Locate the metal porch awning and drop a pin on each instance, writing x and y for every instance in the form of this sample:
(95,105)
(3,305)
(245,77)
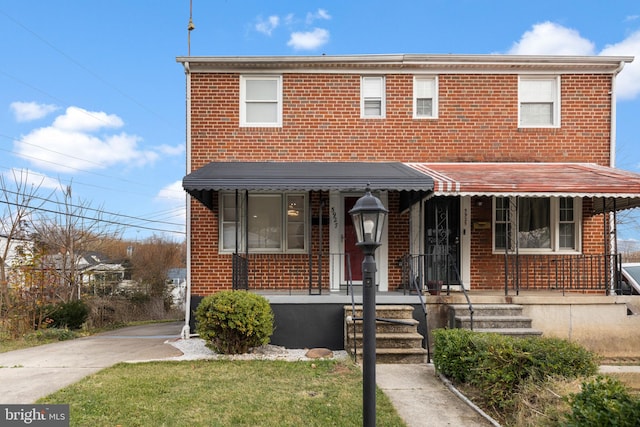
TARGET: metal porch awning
(611,188)
(303,176)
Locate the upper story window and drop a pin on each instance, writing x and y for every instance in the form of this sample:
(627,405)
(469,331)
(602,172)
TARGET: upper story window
(261,101)
(425,96)
(372,97)
(539,101)
(543,224)
(265,222)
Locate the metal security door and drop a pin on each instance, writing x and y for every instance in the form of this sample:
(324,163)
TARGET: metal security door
(442,241)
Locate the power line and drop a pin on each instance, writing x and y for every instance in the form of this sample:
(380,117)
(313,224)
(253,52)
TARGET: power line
(56,202)
(74,215)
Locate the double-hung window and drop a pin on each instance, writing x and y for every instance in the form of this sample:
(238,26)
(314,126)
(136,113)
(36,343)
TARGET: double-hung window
(538,101)
(425,90)
(261,101)
(372,97)
(263,222)
(537,224)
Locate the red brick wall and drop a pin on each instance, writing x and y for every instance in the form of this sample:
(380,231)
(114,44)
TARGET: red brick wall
(321,121)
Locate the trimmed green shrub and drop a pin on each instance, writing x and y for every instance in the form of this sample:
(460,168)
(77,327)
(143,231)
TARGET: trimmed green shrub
(232,322)
(603,402)
(69,315)
(499,365)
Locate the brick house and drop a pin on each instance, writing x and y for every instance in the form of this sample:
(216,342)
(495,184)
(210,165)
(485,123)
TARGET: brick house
(498,171)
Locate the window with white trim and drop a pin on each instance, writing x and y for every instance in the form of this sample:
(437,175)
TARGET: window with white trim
(372,97)
(539,101)
(425,104)
(261,101)
(267,222)
(543,224)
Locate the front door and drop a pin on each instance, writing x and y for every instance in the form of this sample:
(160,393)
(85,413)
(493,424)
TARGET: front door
(442,240)
(353,254)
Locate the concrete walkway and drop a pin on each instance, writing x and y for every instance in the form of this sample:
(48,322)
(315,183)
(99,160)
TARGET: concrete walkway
(423,400)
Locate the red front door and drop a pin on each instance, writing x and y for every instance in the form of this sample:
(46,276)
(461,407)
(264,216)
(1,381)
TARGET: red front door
(353,254)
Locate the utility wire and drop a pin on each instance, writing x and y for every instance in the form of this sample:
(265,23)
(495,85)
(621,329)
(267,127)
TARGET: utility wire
(74,215)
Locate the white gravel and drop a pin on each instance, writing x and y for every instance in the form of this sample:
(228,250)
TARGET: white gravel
(195,349)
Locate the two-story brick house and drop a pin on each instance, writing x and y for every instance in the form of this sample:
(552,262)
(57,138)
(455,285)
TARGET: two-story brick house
(495,170)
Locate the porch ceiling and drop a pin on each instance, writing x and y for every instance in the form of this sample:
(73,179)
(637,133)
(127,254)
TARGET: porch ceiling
(304,176)
(611,188)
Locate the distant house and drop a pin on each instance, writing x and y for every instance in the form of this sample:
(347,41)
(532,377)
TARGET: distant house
(98,273)
(498,172)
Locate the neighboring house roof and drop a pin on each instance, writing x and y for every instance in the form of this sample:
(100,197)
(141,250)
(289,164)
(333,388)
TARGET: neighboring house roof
(536,180)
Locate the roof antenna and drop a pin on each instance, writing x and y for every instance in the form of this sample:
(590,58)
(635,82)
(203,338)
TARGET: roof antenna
(190,27)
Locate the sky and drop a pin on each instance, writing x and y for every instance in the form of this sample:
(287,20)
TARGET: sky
(91,95)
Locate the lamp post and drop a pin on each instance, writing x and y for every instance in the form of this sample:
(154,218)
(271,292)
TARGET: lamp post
(368,215)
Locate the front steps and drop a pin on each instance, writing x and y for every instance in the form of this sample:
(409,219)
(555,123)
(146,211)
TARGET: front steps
(396,342)
(505,319)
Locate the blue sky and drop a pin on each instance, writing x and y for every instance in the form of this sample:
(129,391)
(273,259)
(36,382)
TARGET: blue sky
(91,95)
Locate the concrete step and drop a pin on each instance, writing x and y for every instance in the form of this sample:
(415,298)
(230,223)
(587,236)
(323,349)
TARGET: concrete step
(515,332)
(492,322)
(383,311)
(407,325)
(397,355)
(488,309)
(390,340)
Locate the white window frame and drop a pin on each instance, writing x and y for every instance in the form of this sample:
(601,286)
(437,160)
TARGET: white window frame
(244,101)
(434,96)
(285,223)
(554,223)
(528,96)
(368,93)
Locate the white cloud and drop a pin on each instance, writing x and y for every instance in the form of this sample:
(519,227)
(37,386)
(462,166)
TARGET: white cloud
(170,150)
(69,145)
(31,179)
(319,14)
(81,120)
(309,40)
(173,192)
(266,26)
(628,81)
(549,38)
(28,111)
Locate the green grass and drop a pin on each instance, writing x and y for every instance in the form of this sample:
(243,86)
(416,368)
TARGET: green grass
(223,393)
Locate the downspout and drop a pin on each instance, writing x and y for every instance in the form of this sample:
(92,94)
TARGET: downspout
(613,227)
(186,329)
(612,135)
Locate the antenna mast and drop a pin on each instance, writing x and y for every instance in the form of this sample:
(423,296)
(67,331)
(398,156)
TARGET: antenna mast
(190,27)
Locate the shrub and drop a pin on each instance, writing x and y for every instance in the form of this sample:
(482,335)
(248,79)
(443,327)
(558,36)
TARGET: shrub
(499,365)
(603,402)
(69,315)
(51,334)
(231,322)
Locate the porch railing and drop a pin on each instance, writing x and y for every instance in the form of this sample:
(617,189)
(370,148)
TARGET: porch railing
(432,272)
(568,273)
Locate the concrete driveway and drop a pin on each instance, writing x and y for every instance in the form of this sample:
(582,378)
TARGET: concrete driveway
(29,374)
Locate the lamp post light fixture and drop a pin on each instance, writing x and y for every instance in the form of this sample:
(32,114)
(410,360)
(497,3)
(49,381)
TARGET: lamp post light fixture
(368,215)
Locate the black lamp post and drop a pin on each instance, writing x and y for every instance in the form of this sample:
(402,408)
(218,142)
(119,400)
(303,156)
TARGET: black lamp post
(368,215)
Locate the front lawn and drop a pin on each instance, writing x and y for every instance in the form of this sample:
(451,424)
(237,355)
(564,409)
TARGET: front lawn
(223,393)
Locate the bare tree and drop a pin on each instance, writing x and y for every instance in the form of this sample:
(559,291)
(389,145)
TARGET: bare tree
(17,203)
(152,259)
(65,234)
